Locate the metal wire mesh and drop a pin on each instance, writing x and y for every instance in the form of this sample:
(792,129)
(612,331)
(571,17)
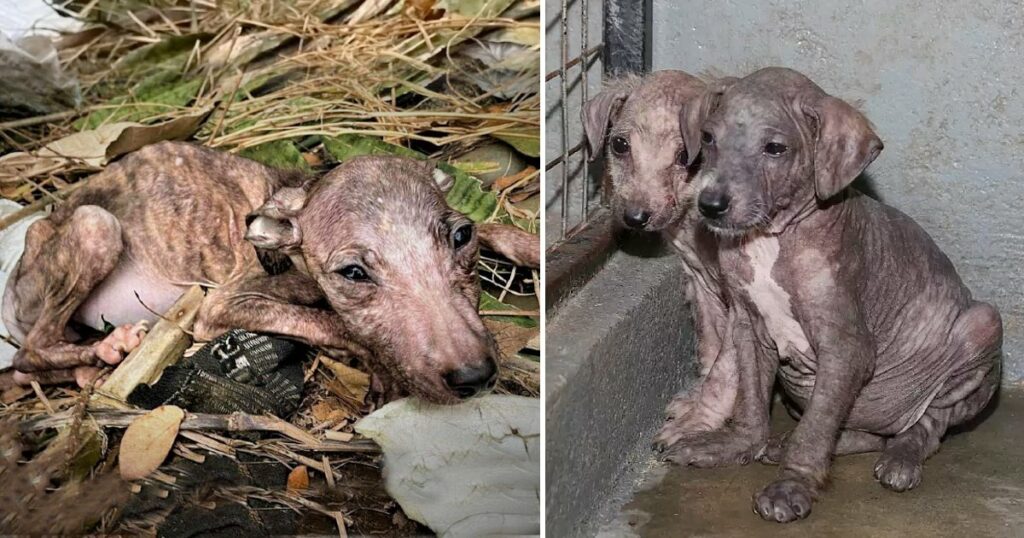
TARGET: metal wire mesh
(570,69)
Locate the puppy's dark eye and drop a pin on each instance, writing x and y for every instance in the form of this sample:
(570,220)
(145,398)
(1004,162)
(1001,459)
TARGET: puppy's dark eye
(682,156)
(620,146)
(707,138)
(354,273)
(462,235)
(775,149)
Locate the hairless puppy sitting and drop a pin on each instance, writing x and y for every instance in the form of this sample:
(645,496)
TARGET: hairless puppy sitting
(871,332)
(651,174)
(367,260)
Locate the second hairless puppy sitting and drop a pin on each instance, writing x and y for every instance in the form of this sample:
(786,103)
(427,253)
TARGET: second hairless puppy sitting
(636,119)
(847,301)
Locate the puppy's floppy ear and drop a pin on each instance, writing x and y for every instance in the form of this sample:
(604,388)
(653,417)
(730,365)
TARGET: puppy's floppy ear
(844,144)
(596,115)
(696,111)
(274,225)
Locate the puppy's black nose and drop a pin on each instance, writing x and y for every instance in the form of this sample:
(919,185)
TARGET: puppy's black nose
(469,381)
(636,217)
(713,204)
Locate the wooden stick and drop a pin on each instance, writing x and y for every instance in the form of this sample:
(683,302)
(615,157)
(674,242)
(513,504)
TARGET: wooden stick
(35,120)
(328,471)
(163,346)
(524,365)
(235,422)
(527,313)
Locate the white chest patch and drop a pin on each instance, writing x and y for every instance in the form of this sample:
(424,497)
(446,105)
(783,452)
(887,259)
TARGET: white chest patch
(771,300)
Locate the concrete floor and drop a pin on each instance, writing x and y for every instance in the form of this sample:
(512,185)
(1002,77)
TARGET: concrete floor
(973,487)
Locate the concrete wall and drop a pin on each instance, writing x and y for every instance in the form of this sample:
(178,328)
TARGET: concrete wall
(553,108)
(616,352)
(943,83)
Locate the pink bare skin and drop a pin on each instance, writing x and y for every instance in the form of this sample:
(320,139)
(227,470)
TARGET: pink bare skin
(366,261)
(634,123)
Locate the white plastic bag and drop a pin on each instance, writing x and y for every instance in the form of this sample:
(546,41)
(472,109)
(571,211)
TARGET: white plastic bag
(467,470)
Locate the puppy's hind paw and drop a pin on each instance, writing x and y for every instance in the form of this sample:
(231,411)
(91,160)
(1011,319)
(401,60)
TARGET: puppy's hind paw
(897,472)
(120,342)
(681,405)
(677,428)
(712,449)
(668,435)
(783,501)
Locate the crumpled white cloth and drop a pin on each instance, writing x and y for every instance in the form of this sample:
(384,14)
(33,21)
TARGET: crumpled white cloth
(12,244)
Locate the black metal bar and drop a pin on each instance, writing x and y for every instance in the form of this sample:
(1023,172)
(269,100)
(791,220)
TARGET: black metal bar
(572,63)
(627,36)
(558,160)
(584,43)
(565,116)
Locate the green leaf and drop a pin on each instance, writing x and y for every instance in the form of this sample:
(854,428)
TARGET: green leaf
(279,154)
(477,167)
(490,302)
(467,195)
(170,52)
(526,142)
(484,9)
(168,89)
(90,451)
(347,146)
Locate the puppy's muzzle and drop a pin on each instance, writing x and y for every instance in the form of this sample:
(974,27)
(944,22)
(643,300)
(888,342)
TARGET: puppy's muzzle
(468,381)
(713,203)
(636,217)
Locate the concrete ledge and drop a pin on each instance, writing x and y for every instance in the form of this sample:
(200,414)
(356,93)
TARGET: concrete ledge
(571,263)
(616,351)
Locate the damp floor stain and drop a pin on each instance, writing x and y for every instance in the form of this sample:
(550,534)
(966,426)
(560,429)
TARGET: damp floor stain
(973,487)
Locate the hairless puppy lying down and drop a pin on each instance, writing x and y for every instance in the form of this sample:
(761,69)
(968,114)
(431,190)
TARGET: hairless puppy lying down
(863,319)
(368,261)
(637,119)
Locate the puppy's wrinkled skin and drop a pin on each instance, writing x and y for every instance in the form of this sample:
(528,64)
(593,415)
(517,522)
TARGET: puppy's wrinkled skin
(865,321)
(634,123)
(367,260)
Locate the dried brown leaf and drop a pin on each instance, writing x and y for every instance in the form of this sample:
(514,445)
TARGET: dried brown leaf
(14,394)
(322,411)
(298,479)
(137,136)
(509,336)
(148,440)
(505,182)
(355,382)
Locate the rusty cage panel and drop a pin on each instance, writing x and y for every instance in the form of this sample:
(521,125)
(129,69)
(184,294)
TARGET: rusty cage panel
(587,40)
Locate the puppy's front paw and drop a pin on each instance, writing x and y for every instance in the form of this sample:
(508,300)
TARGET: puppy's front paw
(897,471)
(713,449)
(784,501)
